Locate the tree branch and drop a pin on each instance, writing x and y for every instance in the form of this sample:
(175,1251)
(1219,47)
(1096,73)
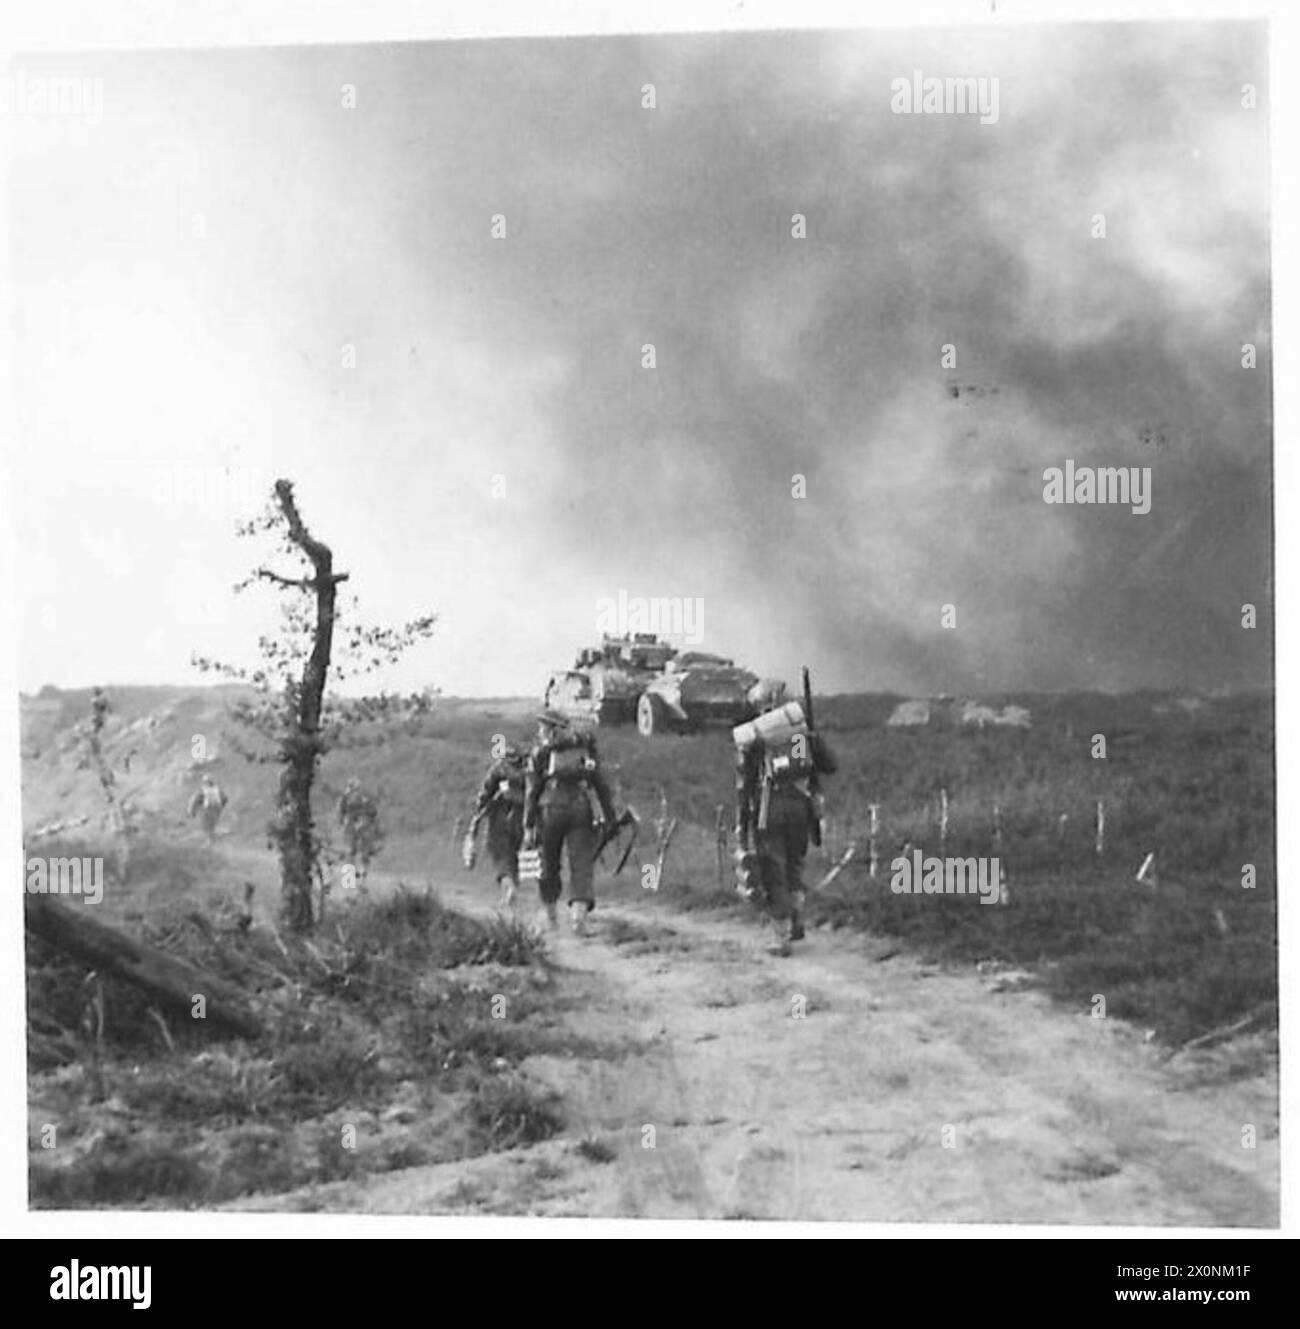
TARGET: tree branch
(298,583)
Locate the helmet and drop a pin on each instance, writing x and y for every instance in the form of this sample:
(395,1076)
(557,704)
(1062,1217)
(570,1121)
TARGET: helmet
(766,695)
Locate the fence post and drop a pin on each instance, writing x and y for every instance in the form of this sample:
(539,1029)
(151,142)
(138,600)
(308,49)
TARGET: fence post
(874,809)
(839,867)
(720,844)
(1101,826)
(943,821)
(997,826)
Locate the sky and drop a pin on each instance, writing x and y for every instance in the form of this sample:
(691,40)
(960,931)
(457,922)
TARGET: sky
(282,263)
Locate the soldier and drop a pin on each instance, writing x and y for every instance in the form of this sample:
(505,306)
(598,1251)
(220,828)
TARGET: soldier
(779,760)
(359,818)
(208,803)
(563,776)
(501,800)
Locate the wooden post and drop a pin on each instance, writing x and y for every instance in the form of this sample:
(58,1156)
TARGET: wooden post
(720,844)
(943,820)
(874,809)
(838,868)
(323,876)
(1147,872)
(1101,826)
(1004,895)
(664,841)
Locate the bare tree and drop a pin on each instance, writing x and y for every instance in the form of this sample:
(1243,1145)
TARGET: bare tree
(120,816)
(292,707)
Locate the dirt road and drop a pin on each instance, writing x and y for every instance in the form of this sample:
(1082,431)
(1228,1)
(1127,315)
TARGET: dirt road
(850,1082)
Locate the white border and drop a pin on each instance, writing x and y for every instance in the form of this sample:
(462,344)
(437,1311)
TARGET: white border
(124,24)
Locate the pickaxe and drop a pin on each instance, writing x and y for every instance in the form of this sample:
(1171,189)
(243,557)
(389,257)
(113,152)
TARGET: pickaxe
(611,832)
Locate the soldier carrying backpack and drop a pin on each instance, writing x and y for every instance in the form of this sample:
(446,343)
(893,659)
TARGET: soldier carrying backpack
(501,802)
(564,779)
(780,759)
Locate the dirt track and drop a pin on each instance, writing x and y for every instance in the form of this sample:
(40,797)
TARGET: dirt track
(849,1082)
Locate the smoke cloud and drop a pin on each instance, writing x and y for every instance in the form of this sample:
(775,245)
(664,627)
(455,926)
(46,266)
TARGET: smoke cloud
(521,358)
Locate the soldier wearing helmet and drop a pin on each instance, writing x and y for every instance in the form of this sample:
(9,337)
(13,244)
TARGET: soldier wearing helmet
(766,695)
(358,816)
(208,803)
(779,762)
(501,800)
(563,781)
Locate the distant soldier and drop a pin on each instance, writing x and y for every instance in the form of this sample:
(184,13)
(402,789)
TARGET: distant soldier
(779,762)
(501,800)
(359,817)
(563,777)
(208,803)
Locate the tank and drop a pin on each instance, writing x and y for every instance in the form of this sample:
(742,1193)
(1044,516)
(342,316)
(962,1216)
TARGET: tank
(694,690)
(606,682)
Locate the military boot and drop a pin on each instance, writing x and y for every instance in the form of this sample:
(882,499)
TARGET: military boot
(780,943)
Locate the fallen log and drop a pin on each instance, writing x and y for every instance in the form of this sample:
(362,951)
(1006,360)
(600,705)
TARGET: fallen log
(54,827)
(173,983)
(1227,1030)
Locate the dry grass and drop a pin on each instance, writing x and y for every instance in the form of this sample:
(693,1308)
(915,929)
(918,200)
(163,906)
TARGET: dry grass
(393,1038)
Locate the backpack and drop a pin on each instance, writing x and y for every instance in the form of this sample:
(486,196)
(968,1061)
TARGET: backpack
(358,806)
(510,774)
(778,749)
(783,742)
(569,762)
(789,761)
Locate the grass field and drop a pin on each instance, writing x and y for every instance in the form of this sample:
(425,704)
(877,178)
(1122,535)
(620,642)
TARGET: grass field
(1188,779)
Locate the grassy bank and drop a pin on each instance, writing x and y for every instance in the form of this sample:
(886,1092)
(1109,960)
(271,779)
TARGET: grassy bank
(394,1037)
(1188,779)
